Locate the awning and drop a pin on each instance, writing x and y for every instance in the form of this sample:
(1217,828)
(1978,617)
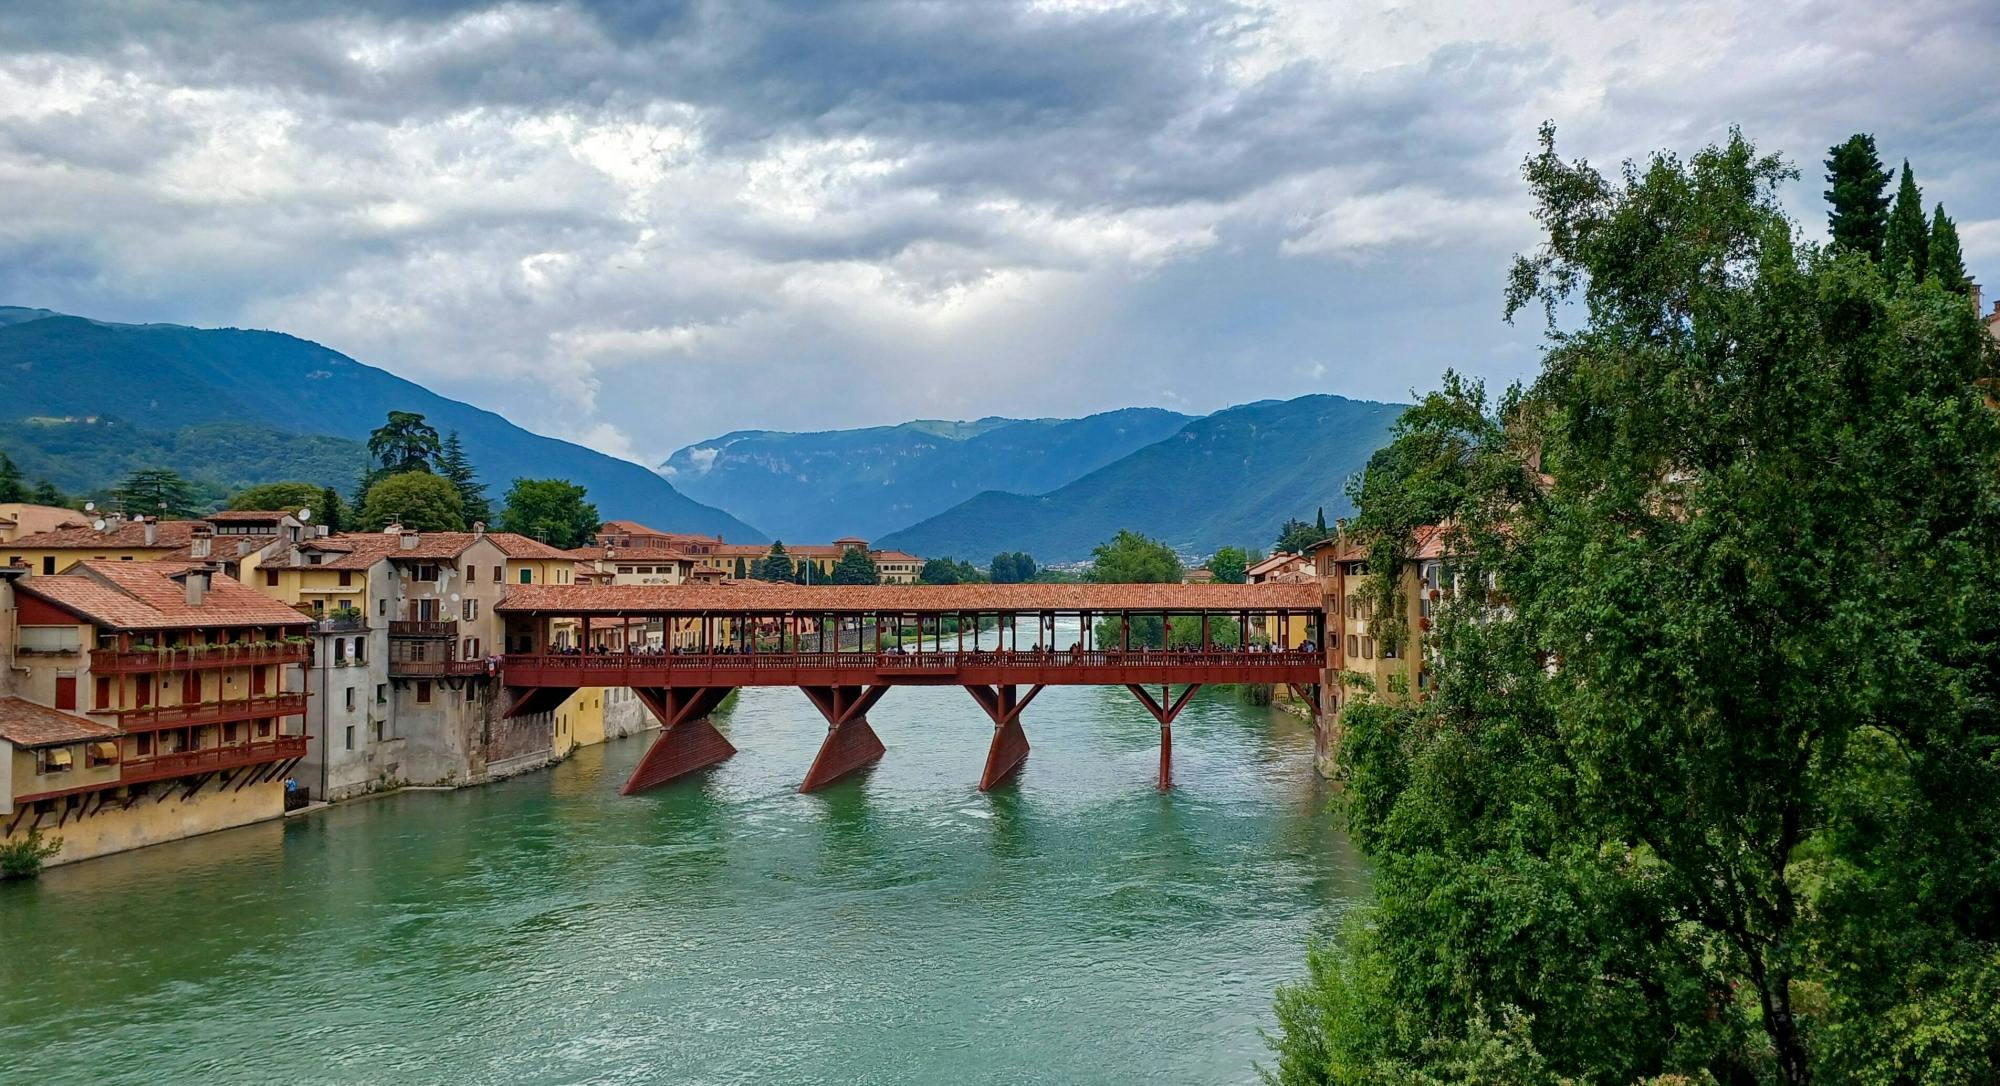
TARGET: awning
(104,751)
(57,758)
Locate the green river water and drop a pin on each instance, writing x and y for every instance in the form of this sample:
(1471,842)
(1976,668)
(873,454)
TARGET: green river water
(1073,926)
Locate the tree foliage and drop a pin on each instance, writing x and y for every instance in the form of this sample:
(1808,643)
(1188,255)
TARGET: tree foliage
(856,567)
(776,565)
(290,497)
(1299,536)
(1707,788)
(1906,247)
(1012,567)
(949,571)
(1131,558)
(156,492)
(453,464)
(330,511)
(1858,200)
(555,511)
(12,487)
(1947,258)
(417,500)
(1229,565)
(404,443)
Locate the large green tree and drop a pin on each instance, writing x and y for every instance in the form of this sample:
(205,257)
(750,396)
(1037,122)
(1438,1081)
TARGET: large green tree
(1131,558)
(1906,247)
(12,487)
(856,567)
(330,511)
(453,464)
(417,500)
(1012,567)
(45,493)
(1299,536)
(1858,196)
(1947,258)
(948,571)
(156,492)
(775,565)
(290,497)
(1229,564)
(555,511)
(404,443)
(1706,786)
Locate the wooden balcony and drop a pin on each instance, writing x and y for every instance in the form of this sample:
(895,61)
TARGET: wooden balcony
(195,657)
(229,756)
(435,669)
(423,628)
(155,717)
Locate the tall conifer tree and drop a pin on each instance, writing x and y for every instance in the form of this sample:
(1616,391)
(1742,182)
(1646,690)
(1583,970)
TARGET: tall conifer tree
(1859,200)
(1909,238)
(1947,259)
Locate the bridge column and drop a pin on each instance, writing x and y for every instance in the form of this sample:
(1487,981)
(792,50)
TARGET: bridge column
(688,740)
(1010,743)
(1164,711)
(850,743)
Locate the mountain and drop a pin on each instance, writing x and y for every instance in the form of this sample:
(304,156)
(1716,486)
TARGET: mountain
(1233,477)
(144,386)
(813,487)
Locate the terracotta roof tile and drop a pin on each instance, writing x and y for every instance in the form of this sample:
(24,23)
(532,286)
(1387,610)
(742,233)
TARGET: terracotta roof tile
(145,596)
(128,536)
(758,596)
(26,724)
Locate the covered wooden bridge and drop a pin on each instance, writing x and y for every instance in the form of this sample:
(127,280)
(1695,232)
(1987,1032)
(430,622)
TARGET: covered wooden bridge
(681,649)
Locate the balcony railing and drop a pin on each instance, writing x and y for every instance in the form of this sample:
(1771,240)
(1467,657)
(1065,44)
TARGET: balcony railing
(423,628)
(214,712)
(190,657)
(426,669)
(229,756)
(357,624)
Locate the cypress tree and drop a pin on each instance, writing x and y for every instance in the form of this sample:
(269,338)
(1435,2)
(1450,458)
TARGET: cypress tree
(1946,258)
(1859,201)
(12,489)
(1909,239)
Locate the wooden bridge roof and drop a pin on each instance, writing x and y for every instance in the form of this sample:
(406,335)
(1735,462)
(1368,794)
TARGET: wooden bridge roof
(822,599)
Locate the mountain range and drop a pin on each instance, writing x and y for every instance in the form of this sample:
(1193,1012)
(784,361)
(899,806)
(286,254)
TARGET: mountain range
(812,487)
(1231,478)
(87,400)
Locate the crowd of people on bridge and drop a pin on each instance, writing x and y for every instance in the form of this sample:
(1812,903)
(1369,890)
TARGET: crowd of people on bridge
(1038,650)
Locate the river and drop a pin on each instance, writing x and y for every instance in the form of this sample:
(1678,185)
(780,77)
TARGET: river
(1073,926)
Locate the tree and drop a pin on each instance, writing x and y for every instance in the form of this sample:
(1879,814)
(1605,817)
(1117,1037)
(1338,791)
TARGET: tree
(1858,201)
(1012,567)
(417,500)
(156,492)
(290,497)
(1298,536)
(742,569)
(1906,246)
(775,566)
(47,494)
(1947,259)
(329,510)
(552,510)
(12,489)
(1319,523)
(1229,564)
(948,571)
(1131,558)
(855,567)
(405,443)
(1676,802)
(453,464)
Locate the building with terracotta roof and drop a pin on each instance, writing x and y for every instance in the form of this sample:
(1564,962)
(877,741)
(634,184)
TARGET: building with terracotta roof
(24,518)
(1355,646)
(739,560)
(236,541)
(133,680)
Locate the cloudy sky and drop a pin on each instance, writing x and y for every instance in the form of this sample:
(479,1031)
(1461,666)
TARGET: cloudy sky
(640,224)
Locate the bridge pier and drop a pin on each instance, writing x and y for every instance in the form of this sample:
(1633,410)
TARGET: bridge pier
(1010,741)
(850,743)
(688,740)
(1164,711)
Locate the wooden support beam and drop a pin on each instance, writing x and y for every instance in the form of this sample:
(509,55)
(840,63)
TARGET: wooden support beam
(850,742)
(1009,747)
(1165,710)
(688,740)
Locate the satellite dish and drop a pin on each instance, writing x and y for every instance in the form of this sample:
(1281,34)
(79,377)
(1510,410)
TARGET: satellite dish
(98,524)
(90,507)
(305,516)
(454,597)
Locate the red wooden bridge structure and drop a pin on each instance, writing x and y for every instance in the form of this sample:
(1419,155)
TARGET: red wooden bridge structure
(846,646)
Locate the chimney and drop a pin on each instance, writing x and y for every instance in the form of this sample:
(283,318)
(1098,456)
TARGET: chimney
(408,540)
(393,529)
(322,531)
(152,531)
(1977,295)
(196,583)
(478,528)
(201,542)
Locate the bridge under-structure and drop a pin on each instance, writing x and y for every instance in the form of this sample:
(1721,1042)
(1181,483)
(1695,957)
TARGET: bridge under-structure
(846,646)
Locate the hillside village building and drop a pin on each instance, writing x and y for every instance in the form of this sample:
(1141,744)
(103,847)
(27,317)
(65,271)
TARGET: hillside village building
(631,538)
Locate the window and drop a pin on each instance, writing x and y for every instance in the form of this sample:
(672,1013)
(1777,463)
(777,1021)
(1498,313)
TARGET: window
(381,607)
(471,610)
(263,729)
(471,574)
(527,576)
(357,653)
(270,578)
(339,652)
(99,753)
(1354,646)
(350,698)
(48,564)
(378,731)
(381,693)
(346,577)
(103,692)
(145,743)
(423,692)
(424,572)
(350,737)
(499,575)
(1367,648)
(1388,651)
(51,639)
(53,760)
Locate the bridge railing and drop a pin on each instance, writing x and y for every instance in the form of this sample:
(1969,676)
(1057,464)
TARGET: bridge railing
(917,662)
